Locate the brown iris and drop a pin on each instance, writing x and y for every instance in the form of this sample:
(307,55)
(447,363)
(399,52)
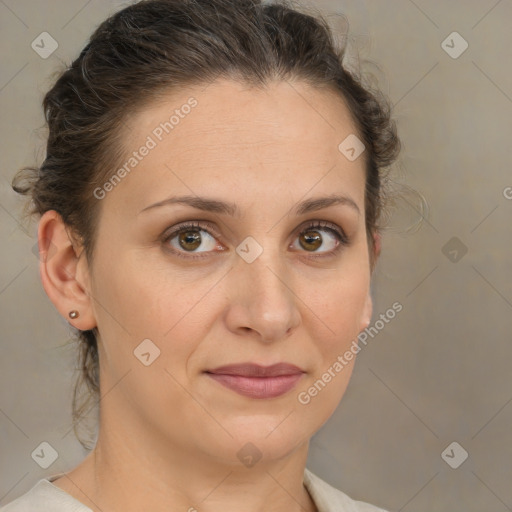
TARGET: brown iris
(189,240)
(310,240)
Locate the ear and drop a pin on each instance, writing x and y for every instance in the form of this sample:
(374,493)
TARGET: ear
(368,307)
(64,273)
(366,317)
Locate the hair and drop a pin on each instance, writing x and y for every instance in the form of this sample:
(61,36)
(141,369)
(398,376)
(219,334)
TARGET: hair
(153,47)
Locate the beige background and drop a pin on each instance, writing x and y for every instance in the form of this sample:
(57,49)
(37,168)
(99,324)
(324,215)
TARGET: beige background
(438,372)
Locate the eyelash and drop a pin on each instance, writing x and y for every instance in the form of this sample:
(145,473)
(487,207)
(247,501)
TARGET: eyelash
(210,229)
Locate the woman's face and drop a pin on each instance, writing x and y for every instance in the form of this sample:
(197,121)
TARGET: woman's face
(269,273)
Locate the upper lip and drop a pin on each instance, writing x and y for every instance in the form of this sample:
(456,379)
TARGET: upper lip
(256,370)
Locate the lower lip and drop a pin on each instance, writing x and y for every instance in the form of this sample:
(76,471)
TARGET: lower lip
(258,387)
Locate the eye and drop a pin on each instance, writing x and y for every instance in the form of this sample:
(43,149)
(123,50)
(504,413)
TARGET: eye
(193,237)
(311,239)
(197,239)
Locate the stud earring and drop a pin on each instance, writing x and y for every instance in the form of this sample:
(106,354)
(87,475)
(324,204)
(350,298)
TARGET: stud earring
(73,314)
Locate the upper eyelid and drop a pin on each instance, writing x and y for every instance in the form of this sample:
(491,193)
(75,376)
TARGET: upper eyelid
(195,224)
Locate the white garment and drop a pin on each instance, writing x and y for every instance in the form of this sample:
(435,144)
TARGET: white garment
(46,497)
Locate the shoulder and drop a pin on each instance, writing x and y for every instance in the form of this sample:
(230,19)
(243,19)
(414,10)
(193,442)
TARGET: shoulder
(45,497)
(329,499)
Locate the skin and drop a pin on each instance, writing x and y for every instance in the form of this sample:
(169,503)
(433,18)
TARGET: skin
(169,434)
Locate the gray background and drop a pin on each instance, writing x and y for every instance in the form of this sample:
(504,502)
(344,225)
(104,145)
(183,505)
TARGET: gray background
(439,372)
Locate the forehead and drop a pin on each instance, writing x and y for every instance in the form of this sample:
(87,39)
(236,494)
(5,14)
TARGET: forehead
(281,138)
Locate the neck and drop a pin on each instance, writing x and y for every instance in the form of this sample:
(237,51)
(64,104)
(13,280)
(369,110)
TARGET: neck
(126,472)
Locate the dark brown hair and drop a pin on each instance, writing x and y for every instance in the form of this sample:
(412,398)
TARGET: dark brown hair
(154,46)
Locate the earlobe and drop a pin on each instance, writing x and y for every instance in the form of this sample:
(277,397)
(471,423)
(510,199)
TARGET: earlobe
(59,270)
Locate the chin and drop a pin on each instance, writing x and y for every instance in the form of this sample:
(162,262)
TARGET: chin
(259,438)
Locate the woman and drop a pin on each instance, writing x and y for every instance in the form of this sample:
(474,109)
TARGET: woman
(209,210)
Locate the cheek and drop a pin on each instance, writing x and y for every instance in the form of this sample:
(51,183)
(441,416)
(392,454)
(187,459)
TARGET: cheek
(139,300)
(150,324)
(337,306)
(143,296)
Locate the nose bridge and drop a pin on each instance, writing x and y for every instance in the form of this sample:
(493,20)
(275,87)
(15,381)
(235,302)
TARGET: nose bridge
(264,291)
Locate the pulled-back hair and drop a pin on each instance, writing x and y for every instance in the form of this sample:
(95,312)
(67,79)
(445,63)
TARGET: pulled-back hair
(154,46)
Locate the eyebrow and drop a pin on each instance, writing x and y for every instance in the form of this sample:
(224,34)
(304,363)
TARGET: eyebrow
(216,206)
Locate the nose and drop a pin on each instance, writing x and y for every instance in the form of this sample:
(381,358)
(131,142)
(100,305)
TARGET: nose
(262,301)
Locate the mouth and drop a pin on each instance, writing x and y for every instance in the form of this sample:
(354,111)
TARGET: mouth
(255,381)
